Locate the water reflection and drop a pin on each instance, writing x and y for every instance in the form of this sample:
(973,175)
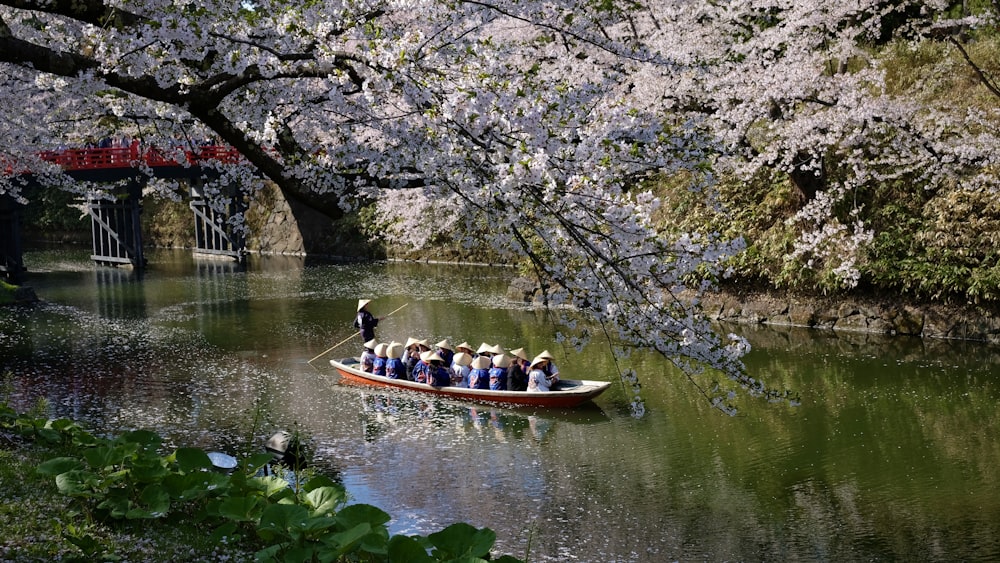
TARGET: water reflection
(120,292)
(383,412)
(892,454)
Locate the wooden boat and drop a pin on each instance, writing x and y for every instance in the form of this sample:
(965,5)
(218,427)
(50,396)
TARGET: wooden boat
(568,392)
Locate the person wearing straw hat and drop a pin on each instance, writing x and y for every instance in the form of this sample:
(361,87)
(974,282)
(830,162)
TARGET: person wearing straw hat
(498,373)
(517,373)
(446,351)
(467,348)
(460,368)
(485,350)
(411,356)
(538,381)
(365,321)
(394,367)
(368,356)
(421,371)
(479,375)
(437,374)
(378,366)
(551,370)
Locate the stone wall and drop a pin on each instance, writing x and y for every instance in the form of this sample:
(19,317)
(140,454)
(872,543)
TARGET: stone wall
(878,315)
(276,226)
(873,315)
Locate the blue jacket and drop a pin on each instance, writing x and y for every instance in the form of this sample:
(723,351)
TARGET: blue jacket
(479,379)
(394,369)
(498,379)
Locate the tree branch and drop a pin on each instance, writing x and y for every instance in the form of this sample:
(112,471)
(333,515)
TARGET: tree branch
(990,85)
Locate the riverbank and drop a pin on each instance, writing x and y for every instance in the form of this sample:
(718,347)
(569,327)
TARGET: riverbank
(870,314)
(886,315)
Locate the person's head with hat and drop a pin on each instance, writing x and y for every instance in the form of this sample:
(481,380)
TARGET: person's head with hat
(365,322)
(465,347)
(520,354)
(550,368)
(501,361)
(539,362)
(394,350)
(538,379)
(446,351)
(378,365)
(394,367)
(481,362)
(368,355)
(429,357)
(479,375)
(463,359)
(485,350)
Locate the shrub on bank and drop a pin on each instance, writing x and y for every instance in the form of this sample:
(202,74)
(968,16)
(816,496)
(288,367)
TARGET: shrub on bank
(130,501)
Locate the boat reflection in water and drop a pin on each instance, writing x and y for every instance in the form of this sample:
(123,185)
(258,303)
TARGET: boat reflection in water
(384,412)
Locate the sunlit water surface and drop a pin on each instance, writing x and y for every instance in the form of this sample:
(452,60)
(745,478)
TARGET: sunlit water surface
(892,454)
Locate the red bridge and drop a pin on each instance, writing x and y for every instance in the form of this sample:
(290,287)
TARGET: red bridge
(116,232)
(129,157)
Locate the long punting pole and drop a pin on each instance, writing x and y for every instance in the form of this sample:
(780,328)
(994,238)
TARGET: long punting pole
(344,341)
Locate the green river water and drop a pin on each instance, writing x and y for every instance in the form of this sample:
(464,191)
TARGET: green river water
(893,454)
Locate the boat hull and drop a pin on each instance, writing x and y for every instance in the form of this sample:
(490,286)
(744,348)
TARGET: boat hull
(570,393)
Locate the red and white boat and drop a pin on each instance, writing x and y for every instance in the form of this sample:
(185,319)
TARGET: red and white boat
(567,393)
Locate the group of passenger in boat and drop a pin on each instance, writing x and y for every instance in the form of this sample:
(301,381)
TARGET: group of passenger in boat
(488,367)
(445,365)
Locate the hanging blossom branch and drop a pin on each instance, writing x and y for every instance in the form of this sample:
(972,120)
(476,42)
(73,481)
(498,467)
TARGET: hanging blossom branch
(475,107)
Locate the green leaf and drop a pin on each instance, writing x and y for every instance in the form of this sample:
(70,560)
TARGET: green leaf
(324,500)
(85,542)
(317,524)
(104,455)
(117,503)
(49,435)
(318,481)
(59,465)
(349,540)
(355,514)
(156,501)
(463,540)
(78,483)
(226,530)
(144,438)
(404,548)
(271,486)
(60,424)
(149,471)
(278,520)
(241,509)
(185,487)
(256,462)
(192,459)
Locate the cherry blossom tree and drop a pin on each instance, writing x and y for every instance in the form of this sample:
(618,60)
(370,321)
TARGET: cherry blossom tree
(530,126)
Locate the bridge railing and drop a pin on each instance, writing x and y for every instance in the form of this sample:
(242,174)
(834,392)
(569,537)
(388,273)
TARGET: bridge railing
(127,157)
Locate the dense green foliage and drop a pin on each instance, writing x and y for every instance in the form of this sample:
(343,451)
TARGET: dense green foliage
(52,210)
(118,482)
(6,292)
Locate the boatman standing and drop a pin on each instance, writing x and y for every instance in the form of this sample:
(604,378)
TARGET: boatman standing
(365,322)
